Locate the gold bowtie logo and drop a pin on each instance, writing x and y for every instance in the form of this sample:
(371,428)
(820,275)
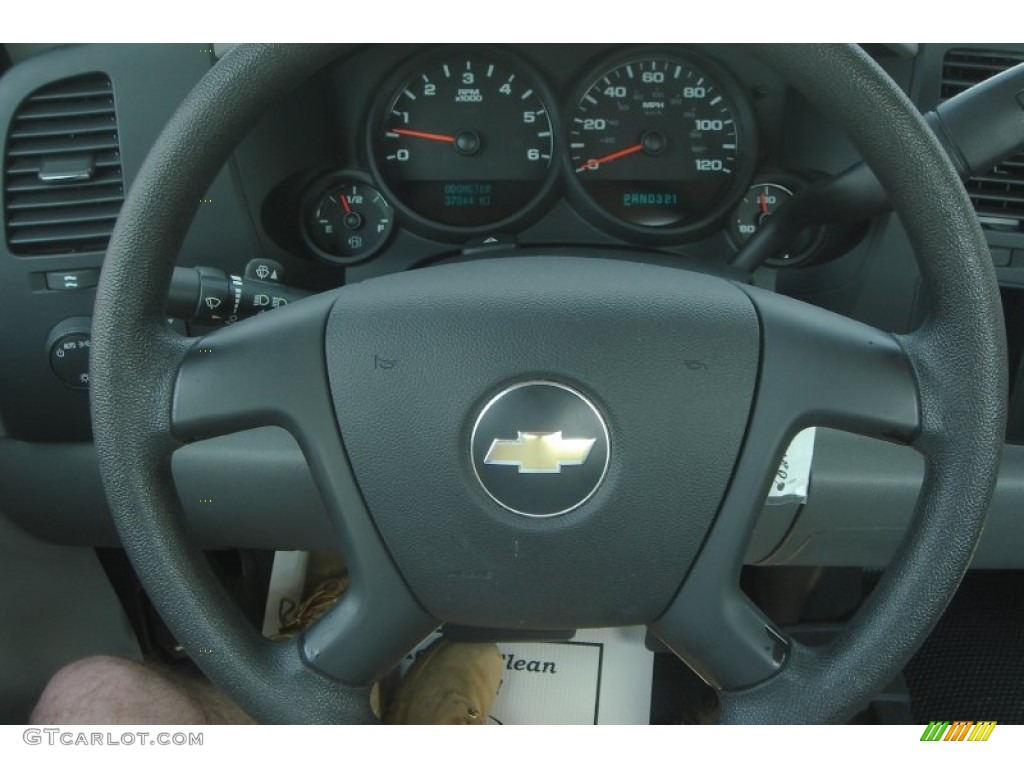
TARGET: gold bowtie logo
(540,452)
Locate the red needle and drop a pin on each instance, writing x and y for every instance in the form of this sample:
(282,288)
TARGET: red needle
(422,135)
(593,164)
(344,203)
(763,199)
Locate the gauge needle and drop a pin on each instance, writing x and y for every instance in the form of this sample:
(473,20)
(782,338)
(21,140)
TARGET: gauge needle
(344,203)
(595,163)
(422,135)
(763,200)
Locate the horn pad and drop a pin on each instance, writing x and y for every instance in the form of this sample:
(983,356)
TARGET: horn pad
(556,432)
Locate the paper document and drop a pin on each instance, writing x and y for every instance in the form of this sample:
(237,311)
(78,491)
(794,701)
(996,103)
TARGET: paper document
(793,479)
(601,676)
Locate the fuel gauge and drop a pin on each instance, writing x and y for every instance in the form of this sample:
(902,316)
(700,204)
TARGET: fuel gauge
(348,222)
(758,204)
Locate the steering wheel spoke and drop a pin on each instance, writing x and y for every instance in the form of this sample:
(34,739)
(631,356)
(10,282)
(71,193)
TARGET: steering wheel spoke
(721,634)
(818,369)
(366,634)
(270,370)
(267,371)
(823,369)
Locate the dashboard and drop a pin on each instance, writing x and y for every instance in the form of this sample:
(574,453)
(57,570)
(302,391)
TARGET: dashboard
(397,157)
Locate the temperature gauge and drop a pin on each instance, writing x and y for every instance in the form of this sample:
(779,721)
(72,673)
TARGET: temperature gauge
(758,204)
(348,222)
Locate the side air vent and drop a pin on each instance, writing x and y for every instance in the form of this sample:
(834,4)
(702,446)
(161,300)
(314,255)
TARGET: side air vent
(998,195)
(62,169)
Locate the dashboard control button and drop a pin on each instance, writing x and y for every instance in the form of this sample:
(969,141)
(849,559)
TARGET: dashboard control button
(212,297)
(68,349)
(72,279)
(265,270)
(219,296)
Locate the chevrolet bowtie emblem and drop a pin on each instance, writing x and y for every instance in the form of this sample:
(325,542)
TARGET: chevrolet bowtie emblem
(540,452)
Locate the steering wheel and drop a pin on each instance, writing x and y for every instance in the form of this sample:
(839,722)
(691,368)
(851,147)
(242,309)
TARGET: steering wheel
(673,394)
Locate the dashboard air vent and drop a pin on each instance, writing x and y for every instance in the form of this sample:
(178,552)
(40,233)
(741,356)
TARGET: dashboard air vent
(998,195)
(62,169)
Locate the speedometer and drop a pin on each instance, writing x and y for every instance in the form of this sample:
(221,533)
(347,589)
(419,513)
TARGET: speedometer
(466,140)
(661,145)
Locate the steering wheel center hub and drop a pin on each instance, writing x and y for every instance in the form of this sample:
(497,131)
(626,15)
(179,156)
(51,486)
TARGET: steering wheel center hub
(480,410)
(540,448)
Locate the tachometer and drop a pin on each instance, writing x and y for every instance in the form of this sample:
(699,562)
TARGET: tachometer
(661,145)
(466,140)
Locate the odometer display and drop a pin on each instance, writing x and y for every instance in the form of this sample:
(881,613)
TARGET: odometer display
(661,144)
(465,141)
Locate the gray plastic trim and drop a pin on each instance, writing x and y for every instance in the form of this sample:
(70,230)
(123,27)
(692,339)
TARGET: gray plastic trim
(862,496)
(862,499)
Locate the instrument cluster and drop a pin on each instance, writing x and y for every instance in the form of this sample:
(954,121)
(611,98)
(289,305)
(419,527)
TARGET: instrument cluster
(655,146)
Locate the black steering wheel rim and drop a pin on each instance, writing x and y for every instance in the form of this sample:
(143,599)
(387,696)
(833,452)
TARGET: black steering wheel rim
(958,359)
